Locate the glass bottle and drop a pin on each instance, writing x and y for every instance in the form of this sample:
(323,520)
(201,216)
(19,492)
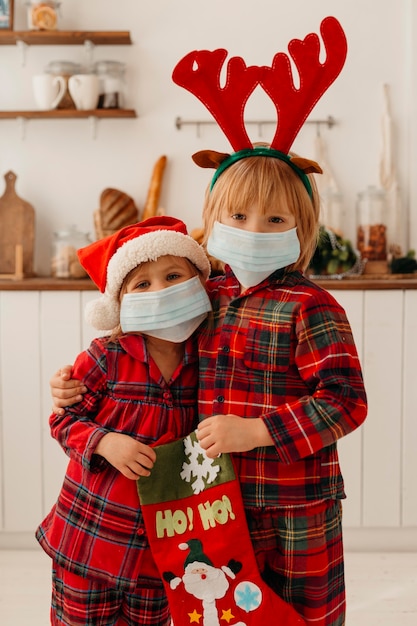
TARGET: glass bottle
(64,262)
(64,69)
(372,224)
(112,84)
(43,15)
(333,211)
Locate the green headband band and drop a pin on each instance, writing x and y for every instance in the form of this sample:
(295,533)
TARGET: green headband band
(261,151)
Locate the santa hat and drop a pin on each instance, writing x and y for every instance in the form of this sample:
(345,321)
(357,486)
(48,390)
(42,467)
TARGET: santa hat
(196,553)
(109,260)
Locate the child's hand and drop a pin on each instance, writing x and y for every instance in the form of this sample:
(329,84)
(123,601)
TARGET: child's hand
(65,390)
(132,458)
(231,433)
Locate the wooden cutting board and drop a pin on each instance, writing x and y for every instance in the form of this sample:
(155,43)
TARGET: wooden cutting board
(17,228)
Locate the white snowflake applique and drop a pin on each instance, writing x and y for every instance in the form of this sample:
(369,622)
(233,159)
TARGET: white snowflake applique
(199,470)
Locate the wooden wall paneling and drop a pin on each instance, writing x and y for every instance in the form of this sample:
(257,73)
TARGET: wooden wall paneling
(351,447)
(60,344)
(20,399)
(383,358)
(409,467)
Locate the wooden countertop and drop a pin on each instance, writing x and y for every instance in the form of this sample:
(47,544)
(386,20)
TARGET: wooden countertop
(396,281)
(40,283)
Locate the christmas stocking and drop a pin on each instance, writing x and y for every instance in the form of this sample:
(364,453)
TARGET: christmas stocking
(193,512)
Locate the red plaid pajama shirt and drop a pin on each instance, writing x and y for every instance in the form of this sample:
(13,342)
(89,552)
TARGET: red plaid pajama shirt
(283,351)
(96,530)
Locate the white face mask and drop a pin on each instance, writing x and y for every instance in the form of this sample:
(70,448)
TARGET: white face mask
(173,313)
(253,256)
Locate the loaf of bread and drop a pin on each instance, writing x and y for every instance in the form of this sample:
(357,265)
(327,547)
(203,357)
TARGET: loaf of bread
(116,211)
(152,200)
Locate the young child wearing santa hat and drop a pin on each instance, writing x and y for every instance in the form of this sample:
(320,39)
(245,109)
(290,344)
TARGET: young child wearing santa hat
(141,383)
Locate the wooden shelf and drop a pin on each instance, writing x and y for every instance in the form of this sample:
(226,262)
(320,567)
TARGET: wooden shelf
(69,113)
(64,37)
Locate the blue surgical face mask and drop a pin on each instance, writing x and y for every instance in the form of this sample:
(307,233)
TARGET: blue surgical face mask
(172,314)
(253,256)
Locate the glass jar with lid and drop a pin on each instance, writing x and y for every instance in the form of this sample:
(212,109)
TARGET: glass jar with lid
(64,262)
(42,15)
(333,210)
(112,84)
(372,224)
(64,69)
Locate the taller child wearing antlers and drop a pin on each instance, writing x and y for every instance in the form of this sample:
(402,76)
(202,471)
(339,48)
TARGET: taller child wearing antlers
(280,378)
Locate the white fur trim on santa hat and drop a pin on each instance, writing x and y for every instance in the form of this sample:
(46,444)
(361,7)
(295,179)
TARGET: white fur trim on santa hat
(104,313)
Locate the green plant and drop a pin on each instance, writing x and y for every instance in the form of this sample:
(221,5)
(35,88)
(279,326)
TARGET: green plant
(333,254)
(405,264)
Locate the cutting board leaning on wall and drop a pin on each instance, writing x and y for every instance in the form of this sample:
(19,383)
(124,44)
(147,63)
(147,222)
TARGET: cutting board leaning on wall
(17,227)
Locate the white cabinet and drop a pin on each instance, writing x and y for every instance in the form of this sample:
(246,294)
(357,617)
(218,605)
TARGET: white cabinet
(379,460)
(39,332)
(43,330)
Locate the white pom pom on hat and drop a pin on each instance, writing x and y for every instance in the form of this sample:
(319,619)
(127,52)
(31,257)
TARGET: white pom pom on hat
(109,260)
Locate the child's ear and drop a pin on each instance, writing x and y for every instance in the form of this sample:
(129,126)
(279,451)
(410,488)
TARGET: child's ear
(209,158)
(306,165)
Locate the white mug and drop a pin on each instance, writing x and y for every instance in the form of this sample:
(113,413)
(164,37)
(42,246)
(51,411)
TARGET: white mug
(48,90)
(84,90)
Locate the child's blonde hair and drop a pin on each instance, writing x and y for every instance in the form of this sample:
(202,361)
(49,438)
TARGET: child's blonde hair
(266,182)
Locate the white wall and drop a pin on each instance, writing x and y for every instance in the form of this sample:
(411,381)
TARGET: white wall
(62,169)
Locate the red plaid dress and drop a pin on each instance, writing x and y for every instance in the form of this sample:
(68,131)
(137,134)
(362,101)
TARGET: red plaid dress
(283,351)
(96,530)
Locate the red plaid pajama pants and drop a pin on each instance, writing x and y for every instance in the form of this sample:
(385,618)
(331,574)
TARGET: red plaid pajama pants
(299,551)
(78,601)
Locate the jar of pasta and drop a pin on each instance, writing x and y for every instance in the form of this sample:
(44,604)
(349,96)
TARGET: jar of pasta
(64,262)
(372,229)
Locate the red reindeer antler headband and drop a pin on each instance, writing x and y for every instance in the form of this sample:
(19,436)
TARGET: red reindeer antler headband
(199,73)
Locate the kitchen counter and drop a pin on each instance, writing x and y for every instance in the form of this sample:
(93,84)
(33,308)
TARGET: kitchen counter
(42,327)
(371,282)
(396,281)
(42,283)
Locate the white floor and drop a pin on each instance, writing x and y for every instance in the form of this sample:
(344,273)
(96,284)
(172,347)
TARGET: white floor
(381,588)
